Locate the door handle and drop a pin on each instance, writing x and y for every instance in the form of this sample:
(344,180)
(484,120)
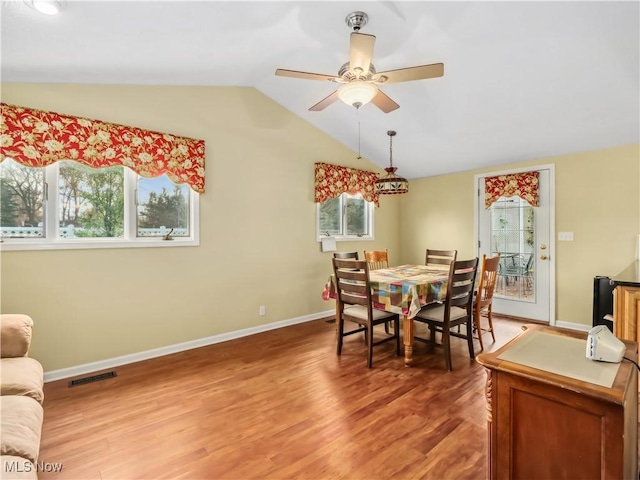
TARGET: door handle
(543,257)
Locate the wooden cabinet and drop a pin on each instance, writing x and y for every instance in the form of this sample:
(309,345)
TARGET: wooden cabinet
(543,425)
(626,312)
(626,303)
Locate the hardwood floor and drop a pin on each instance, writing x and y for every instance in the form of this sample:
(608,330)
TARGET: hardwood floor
(277,405)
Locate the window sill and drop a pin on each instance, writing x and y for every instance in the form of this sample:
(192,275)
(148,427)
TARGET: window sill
(339,238)
(17,245)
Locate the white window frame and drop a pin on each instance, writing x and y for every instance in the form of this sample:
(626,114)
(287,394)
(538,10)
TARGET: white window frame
(129,239)
(370,209)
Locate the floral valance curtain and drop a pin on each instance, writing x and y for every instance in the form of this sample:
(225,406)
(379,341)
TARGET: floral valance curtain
(36,138)
(524,185)
(334,180)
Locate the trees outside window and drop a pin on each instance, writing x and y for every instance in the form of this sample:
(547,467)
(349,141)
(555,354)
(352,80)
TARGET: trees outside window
(92,200)
(22,198)
(162,205)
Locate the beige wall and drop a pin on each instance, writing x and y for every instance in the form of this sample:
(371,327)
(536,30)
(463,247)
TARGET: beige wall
(258,236)
(597,198)
(257,241)
(437,213)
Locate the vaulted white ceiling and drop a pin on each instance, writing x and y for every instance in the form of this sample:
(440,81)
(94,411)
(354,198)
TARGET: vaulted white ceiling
(523,80)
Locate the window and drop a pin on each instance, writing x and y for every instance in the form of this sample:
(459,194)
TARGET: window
(513,236)
(22,193)
(90,201)
(162,205)
(347,217)
(94,208)
(512,226)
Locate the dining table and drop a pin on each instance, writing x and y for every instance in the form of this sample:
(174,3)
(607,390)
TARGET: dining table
(404,290)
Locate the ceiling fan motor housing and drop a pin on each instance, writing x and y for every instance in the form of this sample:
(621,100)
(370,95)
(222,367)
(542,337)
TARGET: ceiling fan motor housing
(347,75)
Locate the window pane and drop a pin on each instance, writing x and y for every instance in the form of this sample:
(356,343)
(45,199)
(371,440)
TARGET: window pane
(162,206)
(330,217)
(356,215)
(21,200)
(91,201)
(513,234)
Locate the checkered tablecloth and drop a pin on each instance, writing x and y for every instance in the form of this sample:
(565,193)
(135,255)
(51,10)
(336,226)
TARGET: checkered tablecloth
(404,289)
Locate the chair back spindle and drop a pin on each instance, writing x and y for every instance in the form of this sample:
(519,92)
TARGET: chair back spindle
(377,259)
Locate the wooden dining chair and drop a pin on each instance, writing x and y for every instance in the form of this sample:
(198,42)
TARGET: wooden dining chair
(346,255)
(456,309)
(440,258)
(377,259)
(354,304)
(483,296)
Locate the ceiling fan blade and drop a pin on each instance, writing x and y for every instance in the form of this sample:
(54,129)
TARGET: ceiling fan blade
(361,52)
(411,73)
(305,75)
(325,102)
(384,103)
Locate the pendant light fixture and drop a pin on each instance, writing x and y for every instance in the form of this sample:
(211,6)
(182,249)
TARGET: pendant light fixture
(391,183)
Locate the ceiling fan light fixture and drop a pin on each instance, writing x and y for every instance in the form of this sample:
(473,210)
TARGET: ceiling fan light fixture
(391,184)
(47,7)
(357,93)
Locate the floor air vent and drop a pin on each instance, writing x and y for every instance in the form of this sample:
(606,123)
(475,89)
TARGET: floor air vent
(92,378)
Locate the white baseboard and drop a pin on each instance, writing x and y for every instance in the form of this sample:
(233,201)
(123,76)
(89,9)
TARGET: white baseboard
(573,326)
(178,347)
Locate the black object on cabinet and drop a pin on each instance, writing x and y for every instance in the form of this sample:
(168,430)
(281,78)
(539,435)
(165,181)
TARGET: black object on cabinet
(602,301)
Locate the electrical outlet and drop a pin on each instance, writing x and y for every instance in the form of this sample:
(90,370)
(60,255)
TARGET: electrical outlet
(565,236)
(262,311)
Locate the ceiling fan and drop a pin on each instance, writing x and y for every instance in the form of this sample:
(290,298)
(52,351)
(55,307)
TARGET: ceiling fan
(358,77)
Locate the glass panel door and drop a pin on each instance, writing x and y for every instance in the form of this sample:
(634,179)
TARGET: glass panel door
(523,236)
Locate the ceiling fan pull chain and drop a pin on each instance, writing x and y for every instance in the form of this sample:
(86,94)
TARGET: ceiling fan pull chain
(391,148)
(358,113)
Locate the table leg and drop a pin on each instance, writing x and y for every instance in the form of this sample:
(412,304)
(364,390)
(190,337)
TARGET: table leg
(407,336)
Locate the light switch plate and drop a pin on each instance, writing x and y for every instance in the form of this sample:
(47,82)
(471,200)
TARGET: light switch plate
(565,236)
